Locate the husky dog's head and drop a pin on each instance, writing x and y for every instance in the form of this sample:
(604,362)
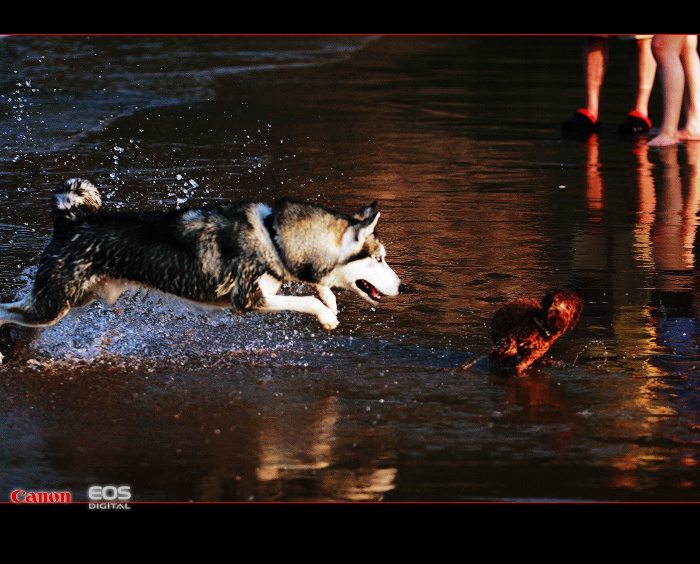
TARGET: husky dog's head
(322,247)
(362,267)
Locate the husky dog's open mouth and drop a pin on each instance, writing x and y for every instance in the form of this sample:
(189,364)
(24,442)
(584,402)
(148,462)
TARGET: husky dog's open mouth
(371,292)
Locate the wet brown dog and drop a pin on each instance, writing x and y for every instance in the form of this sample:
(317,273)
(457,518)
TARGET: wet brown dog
(525,329)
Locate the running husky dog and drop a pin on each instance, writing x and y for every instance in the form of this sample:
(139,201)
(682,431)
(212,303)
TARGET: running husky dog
(236,255)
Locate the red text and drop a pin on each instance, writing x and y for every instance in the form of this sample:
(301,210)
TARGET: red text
(20,496)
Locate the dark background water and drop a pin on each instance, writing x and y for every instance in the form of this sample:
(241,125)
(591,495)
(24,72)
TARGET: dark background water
(482,201)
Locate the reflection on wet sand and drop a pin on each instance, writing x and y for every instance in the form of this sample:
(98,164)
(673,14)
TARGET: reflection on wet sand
(654,308)
(295,444)
(673,232)
(221,449)
(647,241)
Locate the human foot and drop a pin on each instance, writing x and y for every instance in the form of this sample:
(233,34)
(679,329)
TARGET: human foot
(664,140)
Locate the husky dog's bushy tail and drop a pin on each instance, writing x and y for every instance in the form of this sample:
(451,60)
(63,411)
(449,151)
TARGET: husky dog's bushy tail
(73,201)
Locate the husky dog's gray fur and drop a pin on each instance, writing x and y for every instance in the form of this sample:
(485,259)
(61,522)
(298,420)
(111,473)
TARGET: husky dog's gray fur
(237,255)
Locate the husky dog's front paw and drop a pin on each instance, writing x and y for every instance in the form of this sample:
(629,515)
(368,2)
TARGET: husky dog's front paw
(328,297)
(328,320)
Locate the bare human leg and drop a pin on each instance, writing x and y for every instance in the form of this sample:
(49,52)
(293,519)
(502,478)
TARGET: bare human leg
(691,66)
(667,52)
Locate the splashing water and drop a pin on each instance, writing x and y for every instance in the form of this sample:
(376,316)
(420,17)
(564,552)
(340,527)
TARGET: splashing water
(147,326)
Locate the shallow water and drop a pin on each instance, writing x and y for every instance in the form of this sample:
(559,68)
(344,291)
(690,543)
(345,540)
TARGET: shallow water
(482,201)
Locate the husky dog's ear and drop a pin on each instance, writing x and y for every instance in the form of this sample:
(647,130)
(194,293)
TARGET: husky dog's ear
(366,212)
(365,228)
(356,234)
